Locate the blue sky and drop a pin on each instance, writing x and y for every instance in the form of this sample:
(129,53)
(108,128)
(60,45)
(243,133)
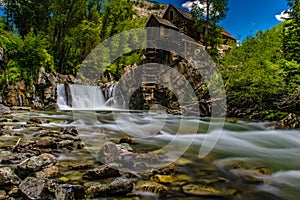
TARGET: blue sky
(245,17)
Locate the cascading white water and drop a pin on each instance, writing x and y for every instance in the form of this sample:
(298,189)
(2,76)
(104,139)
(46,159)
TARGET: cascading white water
(83,98)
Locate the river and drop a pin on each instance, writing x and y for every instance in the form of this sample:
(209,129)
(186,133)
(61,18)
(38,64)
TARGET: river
(250,158)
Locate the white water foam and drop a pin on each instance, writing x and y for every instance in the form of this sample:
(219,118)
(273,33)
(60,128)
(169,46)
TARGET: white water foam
(83,98)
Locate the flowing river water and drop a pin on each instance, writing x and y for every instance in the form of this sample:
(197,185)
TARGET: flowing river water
(250,158)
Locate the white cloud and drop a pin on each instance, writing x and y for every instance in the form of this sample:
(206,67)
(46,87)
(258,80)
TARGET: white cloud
(189,4)
(283,15)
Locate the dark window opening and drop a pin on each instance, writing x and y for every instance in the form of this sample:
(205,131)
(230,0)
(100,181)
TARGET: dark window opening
(171,15)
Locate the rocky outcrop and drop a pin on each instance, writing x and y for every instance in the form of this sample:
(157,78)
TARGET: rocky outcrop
(38,96)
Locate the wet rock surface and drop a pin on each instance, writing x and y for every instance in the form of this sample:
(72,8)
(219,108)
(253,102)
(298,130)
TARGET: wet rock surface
(104,171)
(39,188)
(8,177)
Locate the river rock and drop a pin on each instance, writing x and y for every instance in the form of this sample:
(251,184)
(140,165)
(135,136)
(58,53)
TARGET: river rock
(204,190)
(108,153)
(48,159)
(4,109)
(46,143)
(2,195)
(69,137)
(128,140)
(169,169)
(120,186)
(49,172)
(39,188)
(69,131)
(163,178)
(152,187)
(248,176)
(103,171)
(34,164)
(27,147)
(75,191)
(35,121)
(15,158)
(28,166)
(262,170)
(8,177)
(69,144)
(96,189)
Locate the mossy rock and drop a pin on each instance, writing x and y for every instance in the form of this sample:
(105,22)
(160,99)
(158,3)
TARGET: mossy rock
(203,190)
(262,170)
(162,178)
(151,186)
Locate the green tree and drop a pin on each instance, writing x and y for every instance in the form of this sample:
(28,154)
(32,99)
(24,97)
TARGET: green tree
(291,41)
(72,28)
(255,72)
(207,18)
(28,15)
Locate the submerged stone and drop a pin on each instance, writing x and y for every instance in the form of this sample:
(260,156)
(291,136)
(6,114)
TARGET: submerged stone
(49,172)
(263,170)
(34,164)
(15,158)
(151,186)
(166,170)
(108,153)
(128,140)
(203,190)
(28,166)
(46,143)
(120,186)
(96,189)
(163,178)
(103,171)
(75,191)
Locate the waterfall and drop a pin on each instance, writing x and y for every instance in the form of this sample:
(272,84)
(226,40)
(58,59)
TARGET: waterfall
(80,97)
(20,100)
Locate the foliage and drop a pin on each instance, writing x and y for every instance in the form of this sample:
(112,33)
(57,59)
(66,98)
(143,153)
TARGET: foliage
(207,18)
(291,41)
(256,73)
(69,30)
(25,56)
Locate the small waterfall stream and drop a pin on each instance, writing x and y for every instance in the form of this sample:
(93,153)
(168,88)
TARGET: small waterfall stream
(80,97)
